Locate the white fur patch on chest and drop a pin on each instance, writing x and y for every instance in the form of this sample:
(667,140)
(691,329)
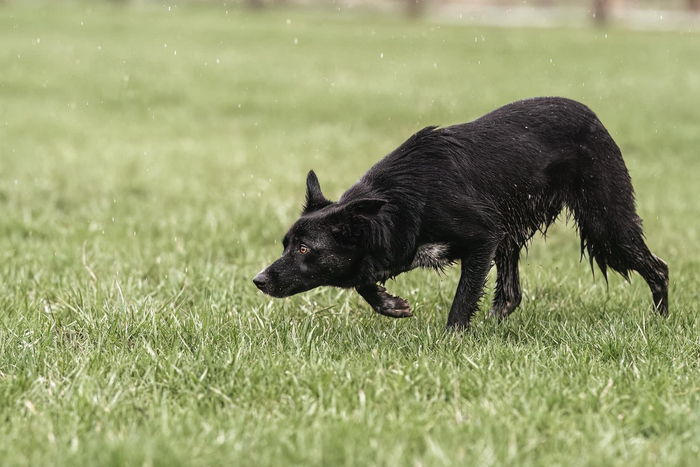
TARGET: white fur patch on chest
(432,255)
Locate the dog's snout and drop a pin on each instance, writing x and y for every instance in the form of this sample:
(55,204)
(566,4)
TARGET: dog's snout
(261,279)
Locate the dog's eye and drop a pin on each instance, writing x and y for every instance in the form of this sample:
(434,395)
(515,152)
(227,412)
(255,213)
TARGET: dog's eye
(303,249)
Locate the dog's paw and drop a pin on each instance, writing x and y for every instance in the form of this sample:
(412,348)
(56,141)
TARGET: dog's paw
(395,307)
(457,327)
(496,313)
(502,311)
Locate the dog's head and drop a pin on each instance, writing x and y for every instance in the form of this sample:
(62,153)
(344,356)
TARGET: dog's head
(324,247)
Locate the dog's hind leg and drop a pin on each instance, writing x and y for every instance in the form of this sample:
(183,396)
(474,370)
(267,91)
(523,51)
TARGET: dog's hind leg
(476,264)
(383,302)
(507,296)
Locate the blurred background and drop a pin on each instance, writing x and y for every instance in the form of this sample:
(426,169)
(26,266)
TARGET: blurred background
(649,13)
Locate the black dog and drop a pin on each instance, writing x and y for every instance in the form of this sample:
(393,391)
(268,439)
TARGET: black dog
(476,193)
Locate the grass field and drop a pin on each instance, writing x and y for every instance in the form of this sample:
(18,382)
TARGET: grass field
(151,160)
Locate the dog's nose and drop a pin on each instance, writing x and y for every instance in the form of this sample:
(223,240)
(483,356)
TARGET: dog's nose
(261,279)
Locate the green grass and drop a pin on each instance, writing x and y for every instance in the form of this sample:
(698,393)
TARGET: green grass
(172,177)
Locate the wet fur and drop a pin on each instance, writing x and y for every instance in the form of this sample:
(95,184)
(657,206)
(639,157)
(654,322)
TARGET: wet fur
(474,193)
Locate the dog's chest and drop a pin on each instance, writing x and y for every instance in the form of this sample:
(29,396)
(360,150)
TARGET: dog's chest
(433,256)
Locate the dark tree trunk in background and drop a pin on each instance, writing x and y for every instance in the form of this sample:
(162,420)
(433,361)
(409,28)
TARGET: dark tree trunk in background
(694,6)
(600,11)
(415,8)
(256,4)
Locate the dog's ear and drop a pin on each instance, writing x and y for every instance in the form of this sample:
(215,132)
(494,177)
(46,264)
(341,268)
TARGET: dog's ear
(355,222)
(367,208)
(314,198)
(361,222)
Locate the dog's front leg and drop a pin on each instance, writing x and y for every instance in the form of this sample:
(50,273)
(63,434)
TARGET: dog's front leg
(475,267)
(383,302)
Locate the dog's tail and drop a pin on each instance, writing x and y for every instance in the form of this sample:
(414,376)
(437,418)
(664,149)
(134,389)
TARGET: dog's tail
(601,199)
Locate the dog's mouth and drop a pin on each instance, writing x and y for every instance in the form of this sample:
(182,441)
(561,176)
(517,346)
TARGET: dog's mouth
(269,291)
(271,287)
(263,281)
